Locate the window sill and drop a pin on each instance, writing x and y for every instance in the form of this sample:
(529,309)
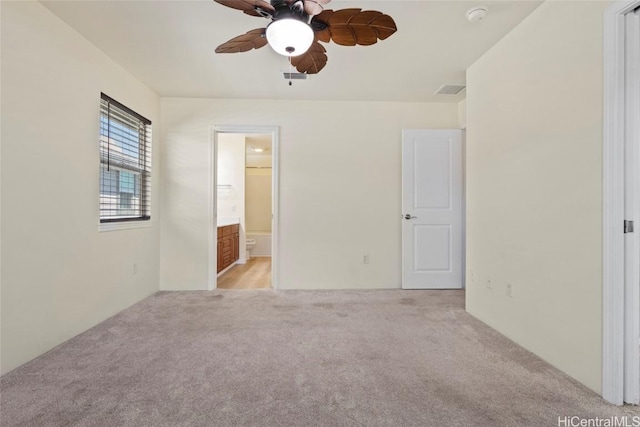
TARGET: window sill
(125,225)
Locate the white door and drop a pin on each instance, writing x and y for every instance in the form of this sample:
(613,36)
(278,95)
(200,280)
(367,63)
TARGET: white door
(432,209)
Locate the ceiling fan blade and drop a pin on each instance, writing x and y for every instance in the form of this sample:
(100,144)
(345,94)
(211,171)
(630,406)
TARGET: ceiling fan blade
(350,27)
(314,7)
(253,39)
(312,61)
(248,6)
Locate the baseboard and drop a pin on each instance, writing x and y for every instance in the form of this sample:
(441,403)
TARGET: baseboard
(226,269)
(260,254)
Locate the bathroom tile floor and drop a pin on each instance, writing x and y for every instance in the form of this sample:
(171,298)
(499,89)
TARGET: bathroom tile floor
(255,274)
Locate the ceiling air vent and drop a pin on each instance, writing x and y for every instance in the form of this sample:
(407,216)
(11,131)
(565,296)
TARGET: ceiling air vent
(295,76)
(449,89)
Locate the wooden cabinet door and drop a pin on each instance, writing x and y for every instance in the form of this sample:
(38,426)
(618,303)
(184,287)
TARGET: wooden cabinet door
(236,247)
(228,246)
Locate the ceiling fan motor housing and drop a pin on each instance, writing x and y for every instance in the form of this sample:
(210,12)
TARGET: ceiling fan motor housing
(294,10)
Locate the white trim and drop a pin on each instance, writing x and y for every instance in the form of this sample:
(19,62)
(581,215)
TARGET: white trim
(275,204)
(263,254)
(275,195)
(212,192)
(613,203)
(464,206)
(632,201)
(125,225)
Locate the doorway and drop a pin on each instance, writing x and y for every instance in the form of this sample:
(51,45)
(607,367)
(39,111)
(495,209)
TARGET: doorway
(621,205)
(244,200)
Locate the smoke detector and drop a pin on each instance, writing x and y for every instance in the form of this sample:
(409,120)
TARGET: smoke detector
(477,13)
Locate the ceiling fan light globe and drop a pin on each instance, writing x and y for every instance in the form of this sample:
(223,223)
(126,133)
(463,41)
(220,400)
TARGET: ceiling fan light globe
(289,37)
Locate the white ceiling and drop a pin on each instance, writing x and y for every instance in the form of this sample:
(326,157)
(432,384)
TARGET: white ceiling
(169,45)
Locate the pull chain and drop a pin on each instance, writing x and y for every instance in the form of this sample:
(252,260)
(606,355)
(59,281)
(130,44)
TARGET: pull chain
(290,84)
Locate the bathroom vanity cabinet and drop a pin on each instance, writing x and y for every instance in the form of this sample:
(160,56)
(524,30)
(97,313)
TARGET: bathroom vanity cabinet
(228,245)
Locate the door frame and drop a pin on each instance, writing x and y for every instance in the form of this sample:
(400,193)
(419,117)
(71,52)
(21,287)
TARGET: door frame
(615,318)
(274,131)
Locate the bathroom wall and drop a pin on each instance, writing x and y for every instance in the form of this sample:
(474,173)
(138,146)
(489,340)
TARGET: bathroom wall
(259,160)
(258,192)
(231,181)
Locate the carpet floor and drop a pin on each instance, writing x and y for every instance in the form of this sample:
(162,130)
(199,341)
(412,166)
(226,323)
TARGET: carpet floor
(294,358)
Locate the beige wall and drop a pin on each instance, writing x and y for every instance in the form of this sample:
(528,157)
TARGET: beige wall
(462,114)
(339,186)
(534,144)
(60,276)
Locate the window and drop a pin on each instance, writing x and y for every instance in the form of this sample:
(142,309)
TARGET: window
(125,163)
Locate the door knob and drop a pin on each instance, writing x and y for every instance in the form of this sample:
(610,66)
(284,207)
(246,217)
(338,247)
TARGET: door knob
(409,216)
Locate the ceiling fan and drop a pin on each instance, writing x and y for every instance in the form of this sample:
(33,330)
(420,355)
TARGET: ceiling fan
(297,27)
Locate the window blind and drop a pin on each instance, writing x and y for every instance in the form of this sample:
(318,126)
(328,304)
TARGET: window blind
(125,163)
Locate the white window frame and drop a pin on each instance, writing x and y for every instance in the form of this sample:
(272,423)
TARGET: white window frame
(126,224)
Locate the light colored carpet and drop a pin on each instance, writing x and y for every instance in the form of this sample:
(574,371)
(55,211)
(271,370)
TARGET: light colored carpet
(294,358)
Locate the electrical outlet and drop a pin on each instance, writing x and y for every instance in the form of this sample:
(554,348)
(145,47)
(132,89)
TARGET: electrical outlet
(365,259)
(508,290)
(134,268)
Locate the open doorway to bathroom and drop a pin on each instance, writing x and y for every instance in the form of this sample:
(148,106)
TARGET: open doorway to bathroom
(245,196)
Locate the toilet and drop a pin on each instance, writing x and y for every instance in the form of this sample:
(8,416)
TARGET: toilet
(250,244)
